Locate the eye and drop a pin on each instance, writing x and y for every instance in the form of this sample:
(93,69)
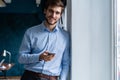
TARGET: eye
(58,13)
(50,11)
(54,12)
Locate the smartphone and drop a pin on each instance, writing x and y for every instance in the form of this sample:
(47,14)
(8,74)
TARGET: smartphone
(51,54)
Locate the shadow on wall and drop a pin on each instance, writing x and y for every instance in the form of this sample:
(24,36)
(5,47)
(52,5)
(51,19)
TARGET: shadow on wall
(12,28)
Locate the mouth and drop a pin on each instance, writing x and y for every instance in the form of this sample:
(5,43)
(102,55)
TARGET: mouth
(52,19)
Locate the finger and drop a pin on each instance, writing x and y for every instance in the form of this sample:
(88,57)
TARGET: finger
(45,53)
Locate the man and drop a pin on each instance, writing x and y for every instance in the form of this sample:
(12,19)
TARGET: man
(45,48)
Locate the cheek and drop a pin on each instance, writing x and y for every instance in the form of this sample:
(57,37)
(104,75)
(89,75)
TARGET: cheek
(47,14)
(58,17)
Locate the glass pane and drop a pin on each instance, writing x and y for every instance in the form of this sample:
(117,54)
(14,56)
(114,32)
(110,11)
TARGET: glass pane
(118,39)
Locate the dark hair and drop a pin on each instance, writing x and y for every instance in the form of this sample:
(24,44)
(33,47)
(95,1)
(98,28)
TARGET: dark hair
(64,2)
(54,3)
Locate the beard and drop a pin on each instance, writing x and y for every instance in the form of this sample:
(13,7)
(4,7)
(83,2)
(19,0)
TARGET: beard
(50,22)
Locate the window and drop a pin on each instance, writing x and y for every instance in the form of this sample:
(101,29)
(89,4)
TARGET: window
(118,39)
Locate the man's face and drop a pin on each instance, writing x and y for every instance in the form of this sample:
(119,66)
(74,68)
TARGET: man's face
(52,14)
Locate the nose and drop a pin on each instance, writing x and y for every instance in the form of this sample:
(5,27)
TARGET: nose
(53,14)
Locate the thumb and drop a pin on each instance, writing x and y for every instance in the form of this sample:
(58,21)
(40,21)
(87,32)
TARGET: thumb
(45,53)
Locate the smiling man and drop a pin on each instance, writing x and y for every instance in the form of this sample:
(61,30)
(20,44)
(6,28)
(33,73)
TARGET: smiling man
(45,48)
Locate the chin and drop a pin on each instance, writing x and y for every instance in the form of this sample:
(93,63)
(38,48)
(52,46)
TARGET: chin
(52,23)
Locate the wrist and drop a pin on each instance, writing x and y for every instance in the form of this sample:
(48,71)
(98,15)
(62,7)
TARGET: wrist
(40,59)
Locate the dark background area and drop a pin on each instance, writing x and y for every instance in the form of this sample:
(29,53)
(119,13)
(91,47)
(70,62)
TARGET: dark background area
(15,18)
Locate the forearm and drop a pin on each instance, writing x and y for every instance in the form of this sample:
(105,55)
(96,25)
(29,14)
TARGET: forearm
(64,73)
(28,58)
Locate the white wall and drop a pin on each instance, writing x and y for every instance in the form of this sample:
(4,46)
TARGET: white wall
(91,39)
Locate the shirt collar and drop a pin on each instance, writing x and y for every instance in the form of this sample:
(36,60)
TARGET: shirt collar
(44,28)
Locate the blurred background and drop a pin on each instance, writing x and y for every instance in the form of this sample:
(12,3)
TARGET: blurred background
(15,18)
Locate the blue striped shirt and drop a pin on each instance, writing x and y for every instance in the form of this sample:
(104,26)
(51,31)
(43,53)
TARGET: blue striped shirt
(38,39)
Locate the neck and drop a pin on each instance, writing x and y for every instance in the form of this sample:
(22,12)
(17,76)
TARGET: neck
(49,26)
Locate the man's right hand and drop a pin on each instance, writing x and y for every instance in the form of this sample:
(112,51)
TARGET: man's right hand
(46,56)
